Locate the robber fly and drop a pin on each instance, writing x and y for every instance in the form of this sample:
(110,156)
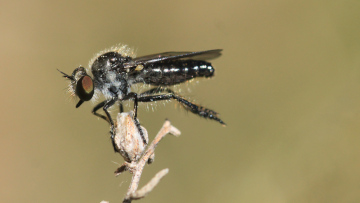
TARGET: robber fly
(115,71)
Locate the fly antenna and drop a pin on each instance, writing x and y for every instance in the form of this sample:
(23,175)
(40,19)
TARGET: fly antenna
(66,75)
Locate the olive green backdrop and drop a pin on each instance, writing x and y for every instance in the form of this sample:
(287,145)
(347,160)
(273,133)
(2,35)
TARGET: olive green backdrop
(287,85)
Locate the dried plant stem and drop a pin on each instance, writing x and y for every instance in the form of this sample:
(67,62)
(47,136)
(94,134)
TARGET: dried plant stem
(136,168)
(150,185)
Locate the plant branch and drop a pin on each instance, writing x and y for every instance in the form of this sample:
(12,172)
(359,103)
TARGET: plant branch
(136,167)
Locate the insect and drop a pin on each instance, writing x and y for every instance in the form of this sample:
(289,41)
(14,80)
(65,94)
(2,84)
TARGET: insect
(116,70)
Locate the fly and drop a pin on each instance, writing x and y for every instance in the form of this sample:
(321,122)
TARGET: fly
(115,71)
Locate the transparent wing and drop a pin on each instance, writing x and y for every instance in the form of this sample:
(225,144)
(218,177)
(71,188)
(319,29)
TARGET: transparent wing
(168,56)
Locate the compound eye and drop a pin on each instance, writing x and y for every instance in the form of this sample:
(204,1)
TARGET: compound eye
(85,88)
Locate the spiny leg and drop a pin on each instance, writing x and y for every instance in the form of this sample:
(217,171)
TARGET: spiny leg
(194,108)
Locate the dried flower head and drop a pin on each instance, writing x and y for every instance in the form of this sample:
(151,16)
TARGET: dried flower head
(128,140)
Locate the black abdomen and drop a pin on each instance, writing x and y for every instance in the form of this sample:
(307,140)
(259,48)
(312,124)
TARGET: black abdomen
(175,72)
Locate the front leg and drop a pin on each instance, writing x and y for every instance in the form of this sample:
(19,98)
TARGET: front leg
(105,105)
(97,107)
(112,131)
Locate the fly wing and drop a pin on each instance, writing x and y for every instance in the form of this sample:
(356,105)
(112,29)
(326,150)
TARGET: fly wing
(168,56)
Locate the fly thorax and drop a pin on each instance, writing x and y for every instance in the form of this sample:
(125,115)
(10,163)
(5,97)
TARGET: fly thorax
(115,87)
(109,75)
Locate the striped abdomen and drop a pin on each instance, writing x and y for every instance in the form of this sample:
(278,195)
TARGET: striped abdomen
(175,72)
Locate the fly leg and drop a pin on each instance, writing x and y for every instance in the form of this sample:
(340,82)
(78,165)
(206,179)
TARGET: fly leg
(97,107)
(121,107)
(194,108)
(105,105)
(151,92)
(134,96)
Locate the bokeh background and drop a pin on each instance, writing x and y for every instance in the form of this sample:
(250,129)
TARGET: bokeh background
(287,85)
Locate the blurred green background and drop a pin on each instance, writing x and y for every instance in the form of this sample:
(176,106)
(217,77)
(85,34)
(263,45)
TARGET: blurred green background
(287,85)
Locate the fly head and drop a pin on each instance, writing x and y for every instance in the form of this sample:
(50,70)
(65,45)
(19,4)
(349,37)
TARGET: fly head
(81,84)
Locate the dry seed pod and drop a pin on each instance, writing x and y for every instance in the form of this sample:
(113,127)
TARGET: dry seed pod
(128,140)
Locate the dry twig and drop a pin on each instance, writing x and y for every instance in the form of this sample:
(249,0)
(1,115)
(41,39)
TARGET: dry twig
(136,166)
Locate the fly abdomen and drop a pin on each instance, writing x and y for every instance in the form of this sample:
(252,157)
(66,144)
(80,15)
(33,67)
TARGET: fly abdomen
(175,72)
